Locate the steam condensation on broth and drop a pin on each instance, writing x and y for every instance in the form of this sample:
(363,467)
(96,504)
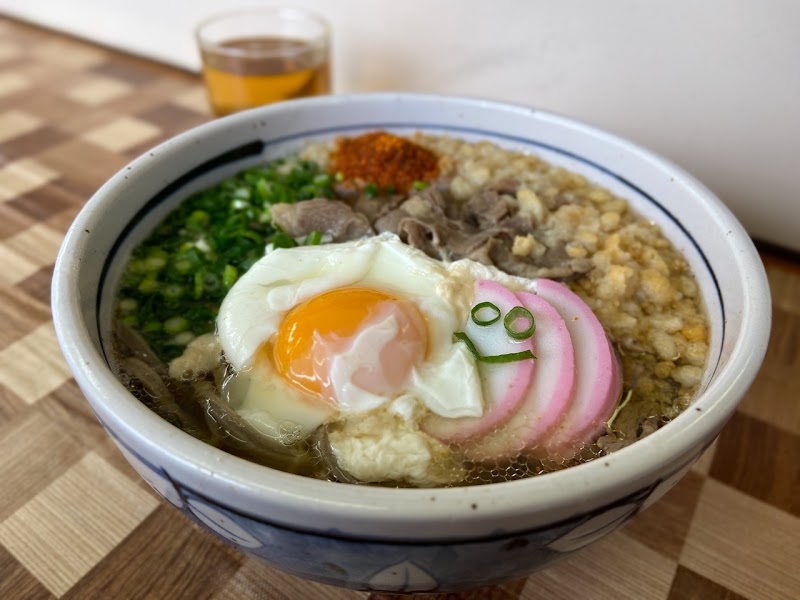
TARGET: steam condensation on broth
(484,214)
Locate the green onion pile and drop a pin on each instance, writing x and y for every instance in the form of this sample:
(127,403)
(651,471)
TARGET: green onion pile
(198,252)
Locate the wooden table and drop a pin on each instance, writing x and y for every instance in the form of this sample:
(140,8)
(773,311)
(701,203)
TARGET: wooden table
(77,522)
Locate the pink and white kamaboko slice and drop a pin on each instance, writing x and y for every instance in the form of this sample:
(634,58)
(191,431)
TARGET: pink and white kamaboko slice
(505,384)
(549,395)
(553,409)
(598,376)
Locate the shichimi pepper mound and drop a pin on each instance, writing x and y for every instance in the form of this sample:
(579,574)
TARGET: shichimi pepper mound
(384,160)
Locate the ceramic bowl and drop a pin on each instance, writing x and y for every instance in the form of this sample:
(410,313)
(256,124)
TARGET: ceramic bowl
(408,540)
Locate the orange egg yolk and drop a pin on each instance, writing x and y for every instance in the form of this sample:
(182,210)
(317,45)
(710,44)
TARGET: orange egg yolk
(317,330)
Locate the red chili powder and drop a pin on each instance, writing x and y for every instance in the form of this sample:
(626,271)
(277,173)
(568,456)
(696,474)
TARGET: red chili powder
(384,159)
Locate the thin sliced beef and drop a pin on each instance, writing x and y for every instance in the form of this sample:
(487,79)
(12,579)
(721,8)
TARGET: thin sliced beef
(508,186)
(375,208)
(482,228)
(427,208)
(554,264)
(486,209)
(326,216)
(424,236)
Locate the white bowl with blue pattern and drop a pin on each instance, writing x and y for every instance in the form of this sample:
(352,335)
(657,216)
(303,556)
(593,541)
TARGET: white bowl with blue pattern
(408,540)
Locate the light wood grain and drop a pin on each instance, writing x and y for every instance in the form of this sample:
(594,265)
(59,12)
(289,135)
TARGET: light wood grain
(67,528)
(744,544)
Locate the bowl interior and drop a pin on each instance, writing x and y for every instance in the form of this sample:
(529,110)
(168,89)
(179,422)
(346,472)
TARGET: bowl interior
(212,169)
(123,212)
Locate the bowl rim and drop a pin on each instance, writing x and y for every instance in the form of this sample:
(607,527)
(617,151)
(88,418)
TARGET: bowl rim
(361,508)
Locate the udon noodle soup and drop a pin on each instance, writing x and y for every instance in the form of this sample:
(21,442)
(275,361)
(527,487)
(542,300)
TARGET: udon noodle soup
(411,311)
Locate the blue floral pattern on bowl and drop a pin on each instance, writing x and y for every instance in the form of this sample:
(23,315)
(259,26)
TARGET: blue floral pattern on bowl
(395,566)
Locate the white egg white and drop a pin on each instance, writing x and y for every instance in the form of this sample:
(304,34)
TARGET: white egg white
(447,382)
(374,437)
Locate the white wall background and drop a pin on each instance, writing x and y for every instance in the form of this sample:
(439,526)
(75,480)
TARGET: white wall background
(713,85)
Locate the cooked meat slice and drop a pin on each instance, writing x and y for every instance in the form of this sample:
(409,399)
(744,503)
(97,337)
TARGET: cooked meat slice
(346,191)
(424,236)
(554,264)
(519,223)
(486,209)
(433,196)
(391,221)
(375,208)
(482,228)
(326,216)
(508,185)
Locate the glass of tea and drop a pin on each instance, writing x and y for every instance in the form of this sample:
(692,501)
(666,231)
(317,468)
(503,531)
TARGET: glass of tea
(258,56)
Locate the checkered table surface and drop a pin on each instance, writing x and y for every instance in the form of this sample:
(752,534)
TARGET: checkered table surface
(77,522)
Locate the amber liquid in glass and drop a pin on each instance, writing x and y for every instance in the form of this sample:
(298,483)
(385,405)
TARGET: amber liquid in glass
(252,71)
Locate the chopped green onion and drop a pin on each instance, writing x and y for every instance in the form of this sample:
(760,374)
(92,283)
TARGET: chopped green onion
(172,291)
(262,188)
(210,282)
(507,358)
(495,359)
(314,238)
(339,176)
(198,285)
(515,314)
(389,190)
(229,276)
(249,262)
(196,254)
(176,325)
(183,338)
(183,265)
(419,185)
(370,190)
(137,266)
(151,327)
(128,305)
(282,240)
(198,219)
(242,193)
(460,335)
(159,252)
(153,264)
(130,320)
(306,192)
(482,307)
(148,285)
